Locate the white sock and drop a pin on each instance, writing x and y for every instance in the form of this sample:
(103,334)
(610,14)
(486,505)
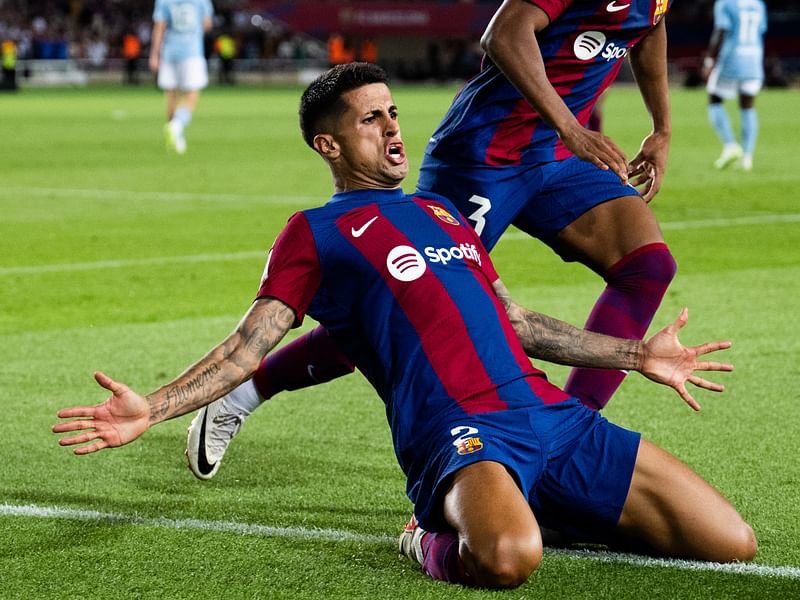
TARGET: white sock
(244,399)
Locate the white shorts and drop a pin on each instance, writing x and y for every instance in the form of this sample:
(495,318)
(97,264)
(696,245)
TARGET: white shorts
(727,89)
(187,75)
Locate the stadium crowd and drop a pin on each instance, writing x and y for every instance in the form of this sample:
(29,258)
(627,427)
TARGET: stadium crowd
(94,32)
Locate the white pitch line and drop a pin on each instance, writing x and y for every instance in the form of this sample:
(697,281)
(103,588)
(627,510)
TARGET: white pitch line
(677,563)
(159,196)
(55,512)
(699,224)
(232,256)
(337,535)
(133,262)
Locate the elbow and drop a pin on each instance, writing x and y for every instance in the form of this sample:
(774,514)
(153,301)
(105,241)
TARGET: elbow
(486,42)
(492,43)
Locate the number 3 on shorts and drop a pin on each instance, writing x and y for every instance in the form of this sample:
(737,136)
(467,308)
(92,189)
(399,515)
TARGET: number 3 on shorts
(477,217)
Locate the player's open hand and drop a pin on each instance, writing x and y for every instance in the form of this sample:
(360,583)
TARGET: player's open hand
(646,170)
(119,420)
(667,361)
(597,149)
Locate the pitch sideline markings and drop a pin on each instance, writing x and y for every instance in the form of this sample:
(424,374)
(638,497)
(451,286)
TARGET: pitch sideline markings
(161,196)
(232,256)
(133,262)
(337,535)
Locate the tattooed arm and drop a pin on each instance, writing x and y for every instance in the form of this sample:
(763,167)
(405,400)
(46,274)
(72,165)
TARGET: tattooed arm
(126,415)
(662,358)
(555,341)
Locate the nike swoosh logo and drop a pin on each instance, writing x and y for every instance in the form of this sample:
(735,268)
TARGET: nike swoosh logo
(614,7)
(203,465)
(360,231)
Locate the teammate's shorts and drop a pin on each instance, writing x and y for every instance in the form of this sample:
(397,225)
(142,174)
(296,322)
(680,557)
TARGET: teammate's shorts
(188,75)
(539,199)
(728,89)
(572,465)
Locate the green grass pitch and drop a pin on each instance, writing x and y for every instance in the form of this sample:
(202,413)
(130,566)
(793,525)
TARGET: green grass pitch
(116,255)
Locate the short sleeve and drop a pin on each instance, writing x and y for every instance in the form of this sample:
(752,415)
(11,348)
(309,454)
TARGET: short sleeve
(159,11)
(292,273)
(553,8)
(722,19)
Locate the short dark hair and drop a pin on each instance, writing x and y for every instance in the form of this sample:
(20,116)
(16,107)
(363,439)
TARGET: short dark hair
(323,97)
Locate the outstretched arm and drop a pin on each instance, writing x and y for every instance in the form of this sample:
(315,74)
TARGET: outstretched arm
(662,358)
(126,415)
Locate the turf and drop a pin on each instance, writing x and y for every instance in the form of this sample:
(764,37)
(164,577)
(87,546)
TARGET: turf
(116,255)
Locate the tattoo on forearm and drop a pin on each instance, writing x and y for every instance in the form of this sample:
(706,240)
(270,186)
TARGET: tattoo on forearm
(180,393)
(550,339)
(227,365)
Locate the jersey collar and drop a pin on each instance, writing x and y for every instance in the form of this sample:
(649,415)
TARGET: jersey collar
(371,195)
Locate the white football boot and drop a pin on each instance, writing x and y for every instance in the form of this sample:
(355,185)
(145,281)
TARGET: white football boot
(730,154)
(213,428)
(410,544)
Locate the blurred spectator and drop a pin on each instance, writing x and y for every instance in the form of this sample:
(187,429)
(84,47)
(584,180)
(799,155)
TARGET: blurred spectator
(339,50)
(225,48)
(131,50)
(368,51)
(8,52)
(96,51)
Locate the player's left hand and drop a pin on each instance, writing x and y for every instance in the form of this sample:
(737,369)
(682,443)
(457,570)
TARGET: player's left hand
(669,362)
(647,168)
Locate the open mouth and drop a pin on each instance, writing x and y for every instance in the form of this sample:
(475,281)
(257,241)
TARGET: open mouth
(396,153)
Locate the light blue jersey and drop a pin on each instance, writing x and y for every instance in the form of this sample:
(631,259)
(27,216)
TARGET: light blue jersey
(742,53)
(183,37)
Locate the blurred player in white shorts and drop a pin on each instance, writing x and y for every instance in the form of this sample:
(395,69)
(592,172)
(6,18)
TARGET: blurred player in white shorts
(734,65)
(176,54)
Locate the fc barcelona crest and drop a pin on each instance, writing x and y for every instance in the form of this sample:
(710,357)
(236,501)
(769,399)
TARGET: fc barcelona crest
(443,215)
(660,11)
(469,445)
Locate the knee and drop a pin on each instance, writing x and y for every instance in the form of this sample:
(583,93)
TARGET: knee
(743,543)
(649,269)
(507,561)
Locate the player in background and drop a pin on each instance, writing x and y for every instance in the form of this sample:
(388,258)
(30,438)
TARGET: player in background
(514,148)
(176,54)
(734,64)
(489,447)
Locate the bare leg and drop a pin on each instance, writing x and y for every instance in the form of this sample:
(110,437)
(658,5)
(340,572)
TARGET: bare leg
(601,237)
(190,99)
(676,512)
(172,102)
(620,240)
(499,539)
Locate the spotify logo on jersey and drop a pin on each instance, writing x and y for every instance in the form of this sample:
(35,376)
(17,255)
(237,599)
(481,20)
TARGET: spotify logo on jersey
(589,44)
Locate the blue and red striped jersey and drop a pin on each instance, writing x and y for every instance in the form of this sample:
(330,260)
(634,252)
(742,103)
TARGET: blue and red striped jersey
(404,285)
(489,122)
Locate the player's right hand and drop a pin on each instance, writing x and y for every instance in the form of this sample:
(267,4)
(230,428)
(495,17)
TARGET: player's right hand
(117,421)
(597,149)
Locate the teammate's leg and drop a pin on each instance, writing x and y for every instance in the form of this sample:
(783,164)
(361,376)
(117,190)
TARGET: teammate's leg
(674,511)
(621,240)
(495,541)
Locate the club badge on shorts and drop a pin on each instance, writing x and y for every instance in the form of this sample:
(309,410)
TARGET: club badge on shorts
(467,442)
(660,10)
